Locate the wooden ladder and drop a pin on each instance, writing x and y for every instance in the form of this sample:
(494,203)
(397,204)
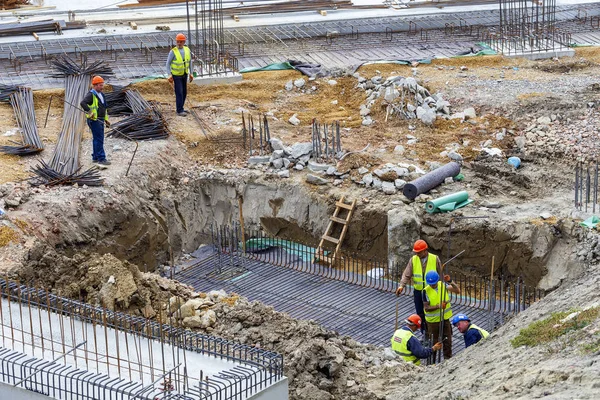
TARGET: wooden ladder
(336,218)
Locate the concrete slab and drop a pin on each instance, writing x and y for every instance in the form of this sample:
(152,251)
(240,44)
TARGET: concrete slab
(218,79)
(543,55)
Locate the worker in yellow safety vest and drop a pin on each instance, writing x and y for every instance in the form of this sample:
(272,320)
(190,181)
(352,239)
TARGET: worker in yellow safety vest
(405,343)
(179,67)
(438,309)
(95,107)
(419,264)
(471,332)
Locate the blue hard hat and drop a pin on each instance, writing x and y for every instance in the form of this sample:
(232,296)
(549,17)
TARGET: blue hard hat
(459,317)
(432,278)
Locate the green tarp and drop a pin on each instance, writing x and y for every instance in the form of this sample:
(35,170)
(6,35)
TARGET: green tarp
(447,203)
(306,253)
(591,222)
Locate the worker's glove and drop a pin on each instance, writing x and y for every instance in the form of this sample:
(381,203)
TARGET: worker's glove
(93,116)
(444,304)
(170,79)
(399,290)
(447,278)
(191,78)
(107,123)
(437,346)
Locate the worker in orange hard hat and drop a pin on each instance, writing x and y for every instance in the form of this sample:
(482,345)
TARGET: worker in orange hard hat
(414,271)
(407,345)
(179,68)
(95,107)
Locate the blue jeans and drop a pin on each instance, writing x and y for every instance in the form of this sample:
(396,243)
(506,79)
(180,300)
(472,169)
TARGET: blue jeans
(97,128)
(180,83)
(419,308)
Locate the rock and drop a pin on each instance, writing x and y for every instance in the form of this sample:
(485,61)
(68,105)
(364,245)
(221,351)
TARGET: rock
(546,215)
(284,174)
(364,110)
(367,121)
(299,150)
(277,144)
(376,183)
(300,82)
(363,170)
(544,120)
(493,152)
(289,85)
(428,118)
(337,182)
(448,180)
(391,94)
(455,156)
(399,149)
(308,391)
(278,163)
(217,294)
(286,163)
(330,171)
(520,142)
(117,147)
(399,183)
(315,180)
(500,136)
(294,120)
(277,154)
(368,179)
(299,167)
(469,113)
(388,188)
(332,82)
(412,109)
(14,202)
(412,141)
(376,80)
(334,102)
(389,354)
(315,166)
(411,84)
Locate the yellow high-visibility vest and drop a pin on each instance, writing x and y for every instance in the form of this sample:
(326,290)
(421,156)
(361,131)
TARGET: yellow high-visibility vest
(418,275)
(434,299)
(181,66)
(93,113)
(484,333)
(400,345)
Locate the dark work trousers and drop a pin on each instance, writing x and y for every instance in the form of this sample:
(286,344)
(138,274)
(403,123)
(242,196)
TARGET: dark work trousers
(180,83)
(418,296)
(433,328)
(97,128)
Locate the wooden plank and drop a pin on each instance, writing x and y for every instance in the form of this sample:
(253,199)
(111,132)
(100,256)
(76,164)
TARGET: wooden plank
(35,35)
(344,205)
(338,220)
(331,239)
(133,25)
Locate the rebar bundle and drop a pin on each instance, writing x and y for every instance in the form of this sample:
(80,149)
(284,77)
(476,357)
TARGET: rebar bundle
(22,104)
(48,176)
(146,122)
(6,91)
(117,102)
(327,144)
(65,67)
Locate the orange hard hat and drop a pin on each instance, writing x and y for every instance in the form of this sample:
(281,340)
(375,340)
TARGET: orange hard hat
(97,79)
(414,319)
(420,245)
(180,36)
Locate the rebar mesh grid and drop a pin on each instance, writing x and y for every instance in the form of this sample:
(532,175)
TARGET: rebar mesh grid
(96,353)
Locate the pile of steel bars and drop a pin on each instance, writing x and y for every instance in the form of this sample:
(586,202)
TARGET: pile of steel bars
(146,122)
(48,176)
(117,102)
(22,103)
(27,28)
(6,91)
(327,144)
(64,165)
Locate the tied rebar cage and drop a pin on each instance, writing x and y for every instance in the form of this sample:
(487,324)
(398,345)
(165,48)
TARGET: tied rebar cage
(208,41)
(69,349)
(527,27)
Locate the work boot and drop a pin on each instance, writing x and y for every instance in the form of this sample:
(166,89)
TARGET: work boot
(182,114)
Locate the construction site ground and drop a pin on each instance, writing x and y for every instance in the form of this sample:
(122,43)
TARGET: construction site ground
(73,239)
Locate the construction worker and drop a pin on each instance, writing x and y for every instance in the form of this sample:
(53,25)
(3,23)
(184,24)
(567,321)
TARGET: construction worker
(436,302)
(414,271)
(94,105)
(407,345)
(179,65)
(471,332)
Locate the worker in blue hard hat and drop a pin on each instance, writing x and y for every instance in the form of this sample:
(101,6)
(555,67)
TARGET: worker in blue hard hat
(438,309)
(471,332)
(407,345)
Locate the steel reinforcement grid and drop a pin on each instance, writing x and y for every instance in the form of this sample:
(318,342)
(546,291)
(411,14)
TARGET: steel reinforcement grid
(354,297)
(256,368)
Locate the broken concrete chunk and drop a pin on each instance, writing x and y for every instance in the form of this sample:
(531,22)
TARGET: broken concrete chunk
(314,166)
(455,156)
(399,149)
(254,160)
(294,120)
(284,174)
(330,171)
(544,120)
(289,85)
(367,121)
(315,180)
(276,155)
(300,82)
(388,187)
(469,113)
(277,144)
(363,170)
(368,179)
(277,163)
(399,183)
(300,150)
(332,82)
